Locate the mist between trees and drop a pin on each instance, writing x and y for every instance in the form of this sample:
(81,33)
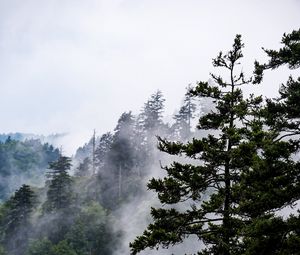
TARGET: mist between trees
(222,187)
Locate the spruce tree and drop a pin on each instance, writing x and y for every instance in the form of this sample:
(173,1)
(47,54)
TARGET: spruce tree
(150,119)
(182,127)
(84,168)
(233,160)
(152,112)
(17,219)
(274,182)
(208,186)
(39,247)
(115,175)
(149,124)
(59,194)
(288,55)
(249,170)
(102,150)
(283,112)
(59,208)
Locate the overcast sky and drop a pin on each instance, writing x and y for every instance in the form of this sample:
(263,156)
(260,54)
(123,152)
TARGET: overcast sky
(75,65)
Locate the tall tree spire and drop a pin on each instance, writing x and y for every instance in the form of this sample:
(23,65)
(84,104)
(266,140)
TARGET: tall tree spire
(93,151)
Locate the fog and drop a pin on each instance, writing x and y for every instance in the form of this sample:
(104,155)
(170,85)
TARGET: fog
(72,66)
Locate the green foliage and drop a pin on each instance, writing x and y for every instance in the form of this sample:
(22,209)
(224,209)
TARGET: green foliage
(152,112)
(289,54)
(121,147)
(59,194)
(40,247)
(273,235)
(102,149)
(21,205)
(63,248)
(23,161)
(246,170)
(45,247)
(277,168)
(116,170)
(227,191)
(2,250)
(149,125)
(84,168)
(77,237)
(182,127)
(91,231)
(16,219)
(3,212)
(212,220)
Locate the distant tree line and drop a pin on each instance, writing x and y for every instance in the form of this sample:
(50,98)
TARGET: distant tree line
(75,214)
(23,161)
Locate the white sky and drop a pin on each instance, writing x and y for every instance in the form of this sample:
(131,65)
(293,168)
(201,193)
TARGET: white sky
(72,66)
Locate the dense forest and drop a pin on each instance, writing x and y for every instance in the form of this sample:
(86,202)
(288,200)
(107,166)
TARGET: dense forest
(224,172)
(74,212)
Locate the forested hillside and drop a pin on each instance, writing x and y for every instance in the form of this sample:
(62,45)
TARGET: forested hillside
(76,214)
(23,162)
(24,136)
(227,186)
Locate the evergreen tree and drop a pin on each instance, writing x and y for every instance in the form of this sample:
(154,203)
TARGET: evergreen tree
(84,168)
(269,182)
(283,113)
(22,162)
(182,126)
(278,169)
(115,177)
(149,124)
(59,194)
(17,219)
(40,247)
(77,238)
(289,55)
(210,185)
(102,149)
(51,154)
(121,153)
(152,112)
(91,233)
(63,248)
(58,209)
(248,183)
